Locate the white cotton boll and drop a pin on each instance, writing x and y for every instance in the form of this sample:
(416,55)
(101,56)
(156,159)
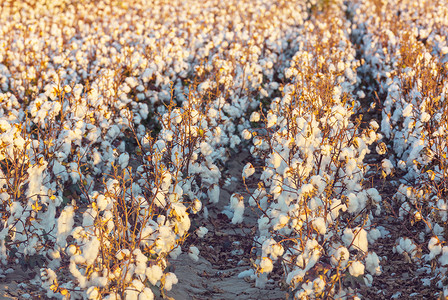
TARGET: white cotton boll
(123,160)
(357,238)
(266,265)
(246,134)
(146,294)
(196,205)
(238,213)
(407,111)
(170,279)
(373,235)
(275,160)
(206,149)
(340,257)
(248,170)
(159,198)
(387,166)
(361,94)
(122,254)
(154,274)
(255,117)
(425,117)
(353,203)
(435,247)
(92,293)
(201,231)
(65,225)
(443,259)
(373,263)
(356,269)
(319,225)
(213,193)
(175,252)
(90,251)
(271,120)
(130,293)
(193,253)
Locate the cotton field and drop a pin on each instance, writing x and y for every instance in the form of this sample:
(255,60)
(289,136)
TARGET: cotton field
(274,149)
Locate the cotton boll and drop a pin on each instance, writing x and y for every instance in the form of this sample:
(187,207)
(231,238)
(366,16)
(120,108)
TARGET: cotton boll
(65,225)
(237,204)
(356,269)
(271,120)
(266,265)
(357,238)
(201,231)
(170,279)
(146,294)
(373,263)
(154,274)
(340,256)
(206,149)
(387,166)
(255,117)
(435,247)
(213,193)
(319,225)
(275,160)
(246,134)
(248,170)
(196,205)
(123,160)
(193,253)
(353,203)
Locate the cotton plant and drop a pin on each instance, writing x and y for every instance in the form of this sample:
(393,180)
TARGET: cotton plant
(313,174)
(412,74)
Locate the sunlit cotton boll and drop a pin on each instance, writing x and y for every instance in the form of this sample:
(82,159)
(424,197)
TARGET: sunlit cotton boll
(255,117)
(248,170)
(170,279)
(266,265)
(272,120)
(246,134)
(206,149)
(356,269)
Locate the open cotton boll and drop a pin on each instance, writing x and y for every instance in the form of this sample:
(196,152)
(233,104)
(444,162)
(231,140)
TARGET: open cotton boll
(266,265)
(246,134)
(201,231)
(65,225)
(213,193)
(206,149)
(170,279)
(237,204)
(353,203)
(357,238)
(340,256)
(193,253)
(271,120)
(154,274)
(255,117)
(248,170)
(356,269)
(146,294)
(387,166)
(319,225)
(373,263)
(435,247)
(123,160)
